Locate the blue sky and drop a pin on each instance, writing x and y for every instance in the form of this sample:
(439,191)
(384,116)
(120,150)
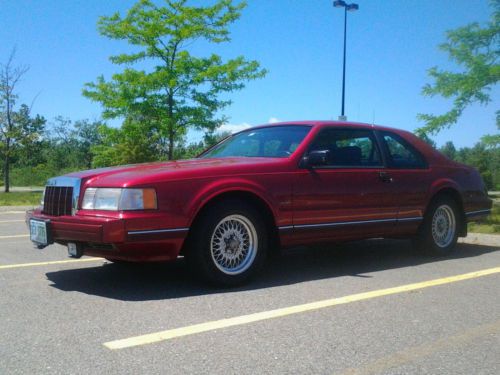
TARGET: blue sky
(391,44)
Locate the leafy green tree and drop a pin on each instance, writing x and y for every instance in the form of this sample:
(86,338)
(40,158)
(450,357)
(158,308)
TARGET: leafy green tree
(181,91)
(10,76)
(425,137)
(211,139)
(449,150)
(29,138)
(87,135)
(189,151)
(486,160)
(475,49)
(69,144)
(130,144)
(62,150)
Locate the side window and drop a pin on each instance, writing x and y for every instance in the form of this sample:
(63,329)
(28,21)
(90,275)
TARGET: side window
(271,147)
(248,147)
(348,147)
(401,153)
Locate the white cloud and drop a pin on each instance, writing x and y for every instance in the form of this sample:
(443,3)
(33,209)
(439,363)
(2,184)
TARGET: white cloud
(233,128)
(272,120)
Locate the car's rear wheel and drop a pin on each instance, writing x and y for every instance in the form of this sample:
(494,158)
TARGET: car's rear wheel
(228,243)
(439,232)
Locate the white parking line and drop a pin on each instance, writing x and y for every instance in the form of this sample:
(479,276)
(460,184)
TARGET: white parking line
(11,221)
(20,265)
(14,236)
(12,212)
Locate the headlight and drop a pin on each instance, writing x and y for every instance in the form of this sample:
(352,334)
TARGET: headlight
(116,199)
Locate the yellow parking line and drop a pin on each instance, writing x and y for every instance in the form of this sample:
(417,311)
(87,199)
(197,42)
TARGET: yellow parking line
(11,221)
(20,265)
(271,314)
(14,236)
(12,212)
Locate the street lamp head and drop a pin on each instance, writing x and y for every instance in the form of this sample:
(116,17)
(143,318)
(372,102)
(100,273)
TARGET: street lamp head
(339,3)
(352,7)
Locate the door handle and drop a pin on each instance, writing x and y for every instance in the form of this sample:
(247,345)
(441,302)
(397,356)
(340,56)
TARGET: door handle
(385,177)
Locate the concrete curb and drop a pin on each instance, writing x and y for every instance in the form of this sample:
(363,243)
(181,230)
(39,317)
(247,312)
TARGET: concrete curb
(481,239)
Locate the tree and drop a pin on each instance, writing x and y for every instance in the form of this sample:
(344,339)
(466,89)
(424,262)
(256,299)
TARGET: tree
(128,145)
(87,135)
(181,91)
(449,150)
(484,158)
(70,145)
(474,48)
(211,139)
(10,76)
(425,137)
(29,139)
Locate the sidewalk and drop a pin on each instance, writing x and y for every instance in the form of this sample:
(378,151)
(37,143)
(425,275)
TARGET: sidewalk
(481,239)
(15,208)
(34,189)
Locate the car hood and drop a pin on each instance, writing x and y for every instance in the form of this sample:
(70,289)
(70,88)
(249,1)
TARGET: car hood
(143,174)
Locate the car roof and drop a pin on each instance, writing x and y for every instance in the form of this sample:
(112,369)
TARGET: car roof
(431,154)
(321,123)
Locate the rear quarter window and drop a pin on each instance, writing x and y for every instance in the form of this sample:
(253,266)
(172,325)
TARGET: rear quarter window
(401,154)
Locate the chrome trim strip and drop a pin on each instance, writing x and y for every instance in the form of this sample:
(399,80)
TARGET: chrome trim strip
(416,218)
(341,223)
(158,231)
(479,212)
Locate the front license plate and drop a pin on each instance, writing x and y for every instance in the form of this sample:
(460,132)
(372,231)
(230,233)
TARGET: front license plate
(39,232)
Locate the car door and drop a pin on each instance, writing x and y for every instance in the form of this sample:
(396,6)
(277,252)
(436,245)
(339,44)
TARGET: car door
(411,180)
(349,196)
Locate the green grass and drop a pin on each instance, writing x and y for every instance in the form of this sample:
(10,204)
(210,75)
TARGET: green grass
(24,198)
(491,225)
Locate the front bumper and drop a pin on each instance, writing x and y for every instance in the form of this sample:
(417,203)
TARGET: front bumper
(115,238)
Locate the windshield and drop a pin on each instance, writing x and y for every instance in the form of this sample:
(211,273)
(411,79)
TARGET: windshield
(271,142)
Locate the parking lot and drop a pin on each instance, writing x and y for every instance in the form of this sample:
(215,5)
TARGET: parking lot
(371,307)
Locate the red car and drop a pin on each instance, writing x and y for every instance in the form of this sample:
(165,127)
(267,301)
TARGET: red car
(267,187)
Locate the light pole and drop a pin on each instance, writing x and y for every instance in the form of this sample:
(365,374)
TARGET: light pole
(351,8)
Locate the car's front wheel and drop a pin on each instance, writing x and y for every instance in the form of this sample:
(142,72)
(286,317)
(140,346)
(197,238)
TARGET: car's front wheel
(439,232)
(228,244)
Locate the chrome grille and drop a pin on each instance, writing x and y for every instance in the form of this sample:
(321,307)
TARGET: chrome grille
(58,200)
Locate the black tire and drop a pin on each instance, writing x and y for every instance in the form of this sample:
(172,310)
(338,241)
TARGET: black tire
(438,233)
(228,243)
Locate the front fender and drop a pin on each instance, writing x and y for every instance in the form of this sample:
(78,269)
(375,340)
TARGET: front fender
(219,187)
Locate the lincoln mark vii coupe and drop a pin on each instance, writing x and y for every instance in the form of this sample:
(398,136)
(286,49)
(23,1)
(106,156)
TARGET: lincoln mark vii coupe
(267,187)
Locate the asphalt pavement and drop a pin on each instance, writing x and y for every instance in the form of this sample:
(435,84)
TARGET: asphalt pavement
(370,307)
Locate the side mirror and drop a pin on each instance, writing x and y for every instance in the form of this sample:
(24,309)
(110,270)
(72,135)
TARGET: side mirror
(316,158)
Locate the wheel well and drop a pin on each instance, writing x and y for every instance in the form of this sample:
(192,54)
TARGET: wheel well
(455,195)
(247,197)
